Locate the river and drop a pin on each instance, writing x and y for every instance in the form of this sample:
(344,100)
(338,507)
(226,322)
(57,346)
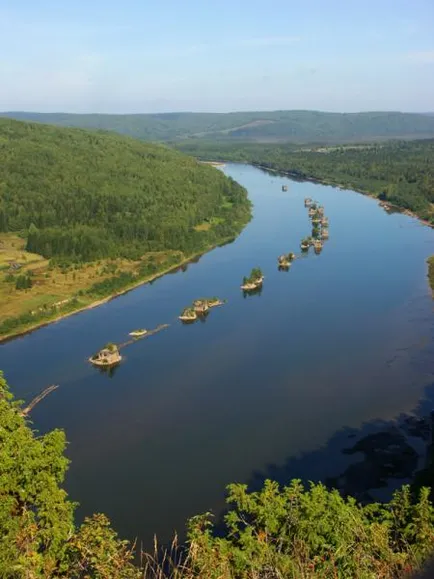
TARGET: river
(275,384)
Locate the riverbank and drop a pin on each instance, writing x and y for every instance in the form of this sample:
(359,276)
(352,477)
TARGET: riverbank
(397,172)
(214,163)
(77,304)
(431,273)
(261,347)
(335,183)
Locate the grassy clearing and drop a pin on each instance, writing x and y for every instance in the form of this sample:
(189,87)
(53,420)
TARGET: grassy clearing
(12,250)
(59,290)
(206,225)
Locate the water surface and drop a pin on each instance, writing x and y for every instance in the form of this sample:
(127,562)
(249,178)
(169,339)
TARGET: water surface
(340,341)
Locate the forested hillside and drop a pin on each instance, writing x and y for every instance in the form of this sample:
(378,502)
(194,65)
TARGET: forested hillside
(400,172)
(256,126)
(85,195)
(84,216)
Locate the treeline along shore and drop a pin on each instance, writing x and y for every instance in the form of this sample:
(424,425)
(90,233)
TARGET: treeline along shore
(399,173)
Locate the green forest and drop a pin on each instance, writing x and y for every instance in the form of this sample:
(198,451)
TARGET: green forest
(399,172)
(257,126)
(84,196)
(76,197)
(272,533)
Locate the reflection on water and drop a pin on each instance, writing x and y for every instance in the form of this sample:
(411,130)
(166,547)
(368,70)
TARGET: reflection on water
(266,387)
(108,371)
(253,292)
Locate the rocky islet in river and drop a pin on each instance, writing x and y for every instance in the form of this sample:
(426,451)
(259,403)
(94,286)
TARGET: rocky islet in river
(254,281)
(108,357)
(200,307)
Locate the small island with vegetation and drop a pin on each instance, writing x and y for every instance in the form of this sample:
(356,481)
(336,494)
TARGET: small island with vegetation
(199,307)
(320,224)
(284,261)
(107,357)
(317,246)
(254,281)
(188,315)
(205,304)
(305,243)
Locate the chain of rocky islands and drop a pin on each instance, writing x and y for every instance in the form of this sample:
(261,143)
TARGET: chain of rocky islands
(110,356)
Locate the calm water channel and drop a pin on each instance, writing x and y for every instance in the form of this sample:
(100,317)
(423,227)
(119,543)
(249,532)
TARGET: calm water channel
(272,384)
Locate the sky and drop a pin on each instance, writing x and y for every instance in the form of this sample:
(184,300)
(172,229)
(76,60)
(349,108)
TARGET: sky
(141,56)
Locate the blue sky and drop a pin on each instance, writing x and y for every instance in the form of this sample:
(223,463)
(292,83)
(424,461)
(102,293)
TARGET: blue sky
(148,56)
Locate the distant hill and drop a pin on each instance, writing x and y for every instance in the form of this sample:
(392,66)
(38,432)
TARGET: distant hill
(86,195)
(274,126)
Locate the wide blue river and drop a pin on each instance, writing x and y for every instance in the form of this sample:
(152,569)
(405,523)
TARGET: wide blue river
(276,384)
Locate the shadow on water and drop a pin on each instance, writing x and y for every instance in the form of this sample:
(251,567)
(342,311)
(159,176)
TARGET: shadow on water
(227,242)
(203,316)
(184,267)
(383,456)
(373,460)
(368,463)
(108,371)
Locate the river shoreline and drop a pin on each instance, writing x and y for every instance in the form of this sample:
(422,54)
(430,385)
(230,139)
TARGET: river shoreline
(332,183)
(291,174)
(33,327)
(292,351)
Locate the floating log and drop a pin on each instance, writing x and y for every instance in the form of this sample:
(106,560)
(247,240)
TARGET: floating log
(27,409)
(147,335)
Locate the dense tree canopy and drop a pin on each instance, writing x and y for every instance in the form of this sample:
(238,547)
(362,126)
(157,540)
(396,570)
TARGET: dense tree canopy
(89,195)
(401,172)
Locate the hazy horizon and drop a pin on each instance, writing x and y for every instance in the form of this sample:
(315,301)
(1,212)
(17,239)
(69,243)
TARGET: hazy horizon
(211,112)
(138,58)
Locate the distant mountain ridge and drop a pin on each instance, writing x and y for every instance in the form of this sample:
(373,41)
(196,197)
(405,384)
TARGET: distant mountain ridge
(259,126)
